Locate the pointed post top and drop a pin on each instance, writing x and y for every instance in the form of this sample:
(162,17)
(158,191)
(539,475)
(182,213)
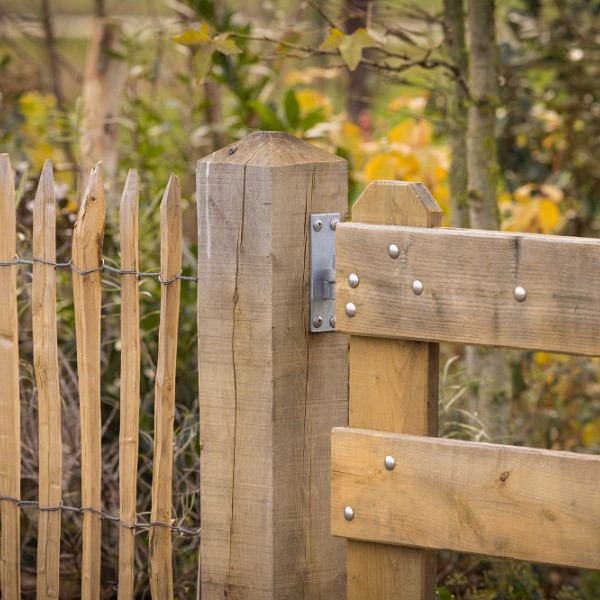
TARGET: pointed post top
(270,149)
(397,203)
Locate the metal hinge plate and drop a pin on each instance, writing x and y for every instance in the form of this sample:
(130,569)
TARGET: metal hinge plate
(322,271)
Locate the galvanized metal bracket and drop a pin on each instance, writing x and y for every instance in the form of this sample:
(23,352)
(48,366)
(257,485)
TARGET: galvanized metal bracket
(322,271)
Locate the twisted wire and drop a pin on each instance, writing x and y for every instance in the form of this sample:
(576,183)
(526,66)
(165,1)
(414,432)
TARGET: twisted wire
(103,267)
(105,516)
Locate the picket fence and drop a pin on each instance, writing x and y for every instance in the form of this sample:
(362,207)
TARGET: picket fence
(276,482)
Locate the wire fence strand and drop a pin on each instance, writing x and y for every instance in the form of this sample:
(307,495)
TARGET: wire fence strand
(103,267)
(137,525)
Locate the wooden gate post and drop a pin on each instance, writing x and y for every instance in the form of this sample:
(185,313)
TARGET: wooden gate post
(393,387)
(270,391)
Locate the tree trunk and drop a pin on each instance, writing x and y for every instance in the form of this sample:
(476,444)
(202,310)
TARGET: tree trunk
(487,366)
(356,102)
(454,28)
(102,92)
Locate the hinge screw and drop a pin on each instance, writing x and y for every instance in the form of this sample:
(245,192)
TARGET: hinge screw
(317,224)
(332,321)
(333,224)
(520,294)
(318,321)
(417,287)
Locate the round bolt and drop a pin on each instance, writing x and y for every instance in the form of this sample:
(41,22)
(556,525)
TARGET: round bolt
(317,224)
(394,251)
(417,287)
(333,224)
(353,280)
(350,309)
(318,321)
(389,463)
(520,294)
(332,321)
(348,513)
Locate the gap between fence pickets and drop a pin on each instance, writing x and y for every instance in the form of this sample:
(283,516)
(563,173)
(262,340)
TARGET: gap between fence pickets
(141,525)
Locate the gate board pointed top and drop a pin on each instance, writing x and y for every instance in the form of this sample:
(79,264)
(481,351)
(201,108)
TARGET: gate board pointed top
(403,376)
(270,391)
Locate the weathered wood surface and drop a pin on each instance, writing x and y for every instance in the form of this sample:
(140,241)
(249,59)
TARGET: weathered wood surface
(130,382)
(469,280)
(523,503)
(269,391)
(403,378)
(88,236)
(45,359)
(10,407)
(160,544)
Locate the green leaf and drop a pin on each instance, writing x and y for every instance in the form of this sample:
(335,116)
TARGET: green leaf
(352,46)
(266,115)
(312,118)
(202,62)
(292,109)
(443,594)
(225,45)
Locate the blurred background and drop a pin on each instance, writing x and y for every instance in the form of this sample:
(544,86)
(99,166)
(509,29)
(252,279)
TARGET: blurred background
(494,108)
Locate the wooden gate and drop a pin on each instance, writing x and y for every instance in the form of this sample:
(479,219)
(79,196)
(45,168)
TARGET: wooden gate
(404,285)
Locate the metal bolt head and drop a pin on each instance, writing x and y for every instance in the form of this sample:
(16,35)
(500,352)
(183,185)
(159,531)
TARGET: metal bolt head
(389,463)
(333,224)
(350,309)
(318,321)
(417,287)
(353,280)
(348,513)
(520,294)
(394,251)
(332,321)
(317,224)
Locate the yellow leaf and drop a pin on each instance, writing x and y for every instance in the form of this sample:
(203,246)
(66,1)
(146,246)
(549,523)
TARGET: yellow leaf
(352,46)
(193,37)
(543,358)
(381,166)
(310,100)
(523,193)
(548,217)
(590,434)
(333,40)
(225,45)
(349,46)
(412,132)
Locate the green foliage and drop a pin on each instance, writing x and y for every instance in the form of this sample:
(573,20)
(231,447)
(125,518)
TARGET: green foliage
(192,89)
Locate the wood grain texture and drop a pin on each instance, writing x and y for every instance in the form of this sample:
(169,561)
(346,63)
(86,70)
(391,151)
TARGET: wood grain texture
(269,391)
(523,503)
(469,279)
(88,236)
(45,359)
(403,377)
(10,407)
(161,554)
(130,382)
